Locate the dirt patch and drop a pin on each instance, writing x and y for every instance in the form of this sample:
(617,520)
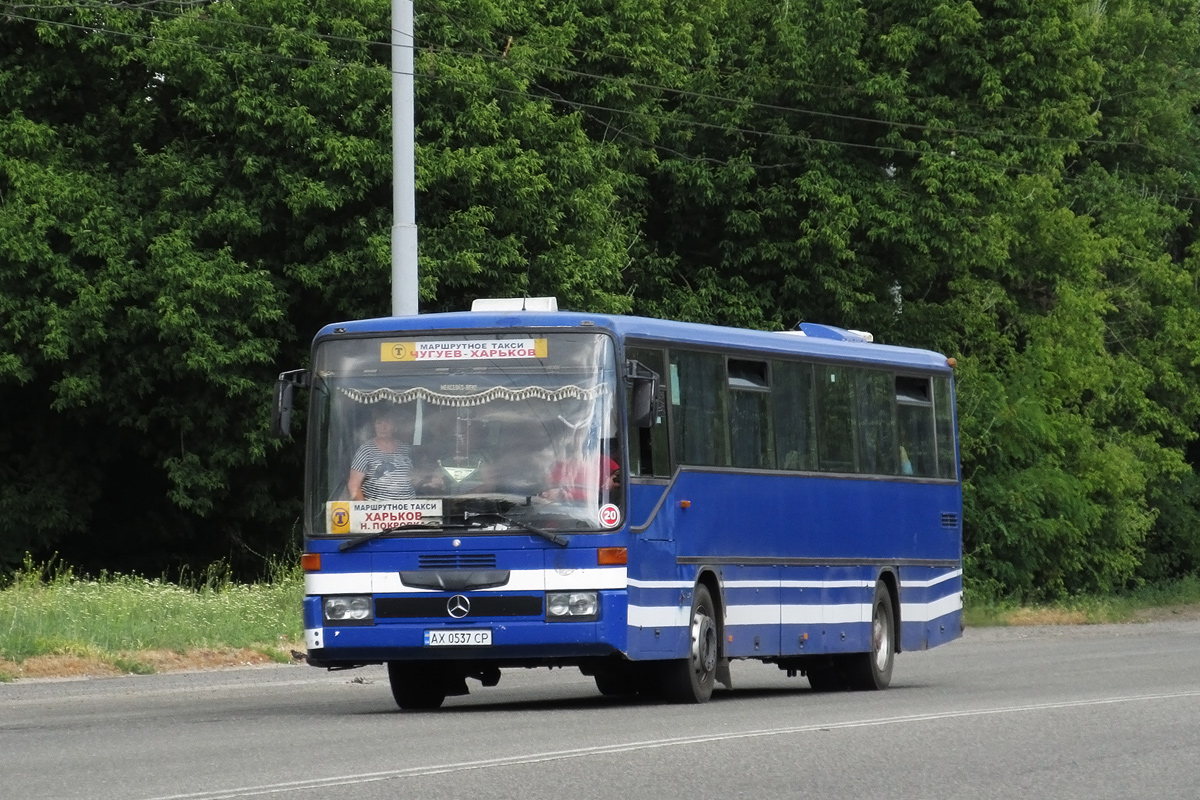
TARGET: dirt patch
(142,662)
(1029,617)
(1046,616)
(1167,613)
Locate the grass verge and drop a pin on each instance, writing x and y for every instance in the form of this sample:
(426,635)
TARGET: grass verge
(1178,599)
(51,619)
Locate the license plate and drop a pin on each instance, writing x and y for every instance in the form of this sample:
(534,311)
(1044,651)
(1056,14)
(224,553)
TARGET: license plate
(473,637)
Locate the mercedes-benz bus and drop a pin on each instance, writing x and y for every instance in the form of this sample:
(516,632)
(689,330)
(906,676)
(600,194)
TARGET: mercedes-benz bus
(644,500)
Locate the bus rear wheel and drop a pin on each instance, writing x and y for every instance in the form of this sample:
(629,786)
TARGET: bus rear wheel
(416,687)
(691,679)
(873,670)
(827,678)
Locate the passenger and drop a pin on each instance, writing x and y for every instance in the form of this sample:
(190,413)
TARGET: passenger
(582,475)
(383,466)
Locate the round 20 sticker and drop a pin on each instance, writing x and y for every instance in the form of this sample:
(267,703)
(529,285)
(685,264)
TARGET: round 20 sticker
(610,516)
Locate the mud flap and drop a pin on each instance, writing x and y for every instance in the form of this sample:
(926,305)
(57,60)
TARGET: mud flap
(723,676)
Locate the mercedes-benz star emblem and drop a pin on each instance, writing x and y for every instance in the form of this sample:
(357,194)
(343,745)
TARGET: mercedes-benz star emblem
(458,606)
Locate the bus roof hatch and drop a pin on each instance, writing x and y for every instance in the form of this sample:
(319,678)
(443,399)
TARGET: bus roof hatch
(515,304)
(831,332)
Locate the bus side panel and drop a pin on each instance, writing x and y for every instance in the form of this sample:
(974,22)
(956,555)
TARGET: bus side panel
(751,611)
(802,599)
(930,607)
(826,609)
(660,593)
(878,520)
(643,499)
(767,535)
(810,517)
(660,589)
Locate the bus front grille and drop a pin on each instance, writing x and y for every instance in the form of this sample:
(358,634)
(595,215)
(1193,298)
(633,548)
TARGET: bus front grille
(488,605)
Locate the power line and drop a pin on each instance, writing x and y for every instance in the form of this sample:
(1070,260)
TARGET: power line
(551,97)
(499,58)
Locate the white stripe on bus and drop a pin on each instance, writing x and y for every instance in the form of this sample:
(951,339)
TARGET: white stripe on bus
(932,581)
(816,614)
(520,580)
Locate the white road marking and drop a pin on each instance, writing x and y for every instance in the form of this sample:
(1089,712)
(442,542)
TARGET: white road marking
(629,747)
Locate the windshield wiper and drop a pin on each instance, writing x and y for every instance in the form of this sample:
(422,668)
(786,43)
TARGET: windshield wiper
(492,519)
(366,537)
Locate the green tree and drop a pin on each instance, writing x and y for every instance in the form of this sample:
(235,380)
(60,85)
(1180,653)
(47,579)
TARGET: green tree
(188,193)
(925,170)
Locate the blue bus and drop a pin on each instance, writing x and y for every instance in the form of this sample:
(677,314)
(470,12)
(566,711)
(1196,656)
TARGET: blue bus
(518,486)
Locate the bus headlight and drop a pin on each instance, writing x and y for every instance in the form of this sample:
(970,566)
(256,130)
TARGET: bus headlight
(347,609)
(572,606)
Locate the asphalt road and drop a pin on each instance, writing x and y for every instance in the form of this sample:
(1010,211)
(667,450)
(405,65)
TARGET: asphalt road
(1071,712)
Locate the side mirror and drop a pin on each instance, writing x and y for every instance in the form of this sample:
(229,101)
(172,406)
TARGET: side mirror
(281,409)
(642,411)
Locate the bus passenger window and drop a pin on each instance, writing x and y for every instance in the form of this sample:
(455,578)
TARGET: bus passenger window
(835,419)
(914,415)
(791,394)
(878,451)
(698,408)
(946,452)
(750,441)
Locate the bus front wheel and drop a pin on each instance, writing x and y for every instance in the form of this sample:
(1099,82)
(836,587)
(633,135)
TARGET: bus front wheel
(691,679)
(416,687)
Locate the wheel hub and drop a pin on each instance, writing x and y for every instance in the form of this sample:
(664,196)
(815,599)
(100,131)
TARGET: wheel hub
(880,639)
(704,643)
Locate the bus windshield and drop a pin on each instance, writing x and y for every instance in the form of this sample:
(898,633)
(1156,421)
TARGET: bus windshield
(468,433)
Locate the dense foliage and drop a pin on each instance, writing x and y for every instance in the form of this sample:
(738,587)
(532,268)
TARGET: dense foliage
(189,189)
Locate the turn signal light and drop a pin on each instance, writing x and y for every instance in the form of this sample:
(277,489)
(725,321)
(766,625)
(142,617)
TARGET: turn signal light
(612,556)
(310,562)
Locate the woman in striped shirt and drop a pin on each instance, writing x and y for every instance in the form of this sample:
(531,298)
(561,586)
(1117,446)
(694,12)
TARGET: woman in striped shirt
(382,468)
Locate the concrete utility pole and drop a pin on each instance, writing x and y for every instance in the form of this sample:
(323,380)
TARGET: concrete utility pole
(404,170)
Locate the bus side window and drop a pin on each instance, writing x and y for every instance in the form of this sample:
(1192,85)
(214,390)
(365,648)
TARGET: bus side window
(698,417)
(835,419)
(750,441)
(878,452)
(792,396)
(648,447)
(944,408)
(914,413)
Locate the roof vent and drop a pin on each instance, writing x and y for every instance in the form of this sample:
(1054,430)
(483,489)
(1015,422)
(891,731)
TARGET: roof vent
(830,332)
(515,304)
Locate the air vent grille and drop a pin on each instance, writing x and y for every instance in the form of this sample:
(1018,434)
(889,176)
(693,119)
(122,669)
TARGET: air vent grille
(457,561)
(949,519)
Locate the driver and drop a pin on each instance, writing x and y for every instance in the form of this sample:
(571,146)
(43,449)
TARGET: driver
(382,468)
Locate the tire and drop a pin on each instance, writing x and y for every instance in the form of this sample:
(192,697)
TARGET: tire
(691,679)
(873,670)
(616,684)
(416,687)
(827,678)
